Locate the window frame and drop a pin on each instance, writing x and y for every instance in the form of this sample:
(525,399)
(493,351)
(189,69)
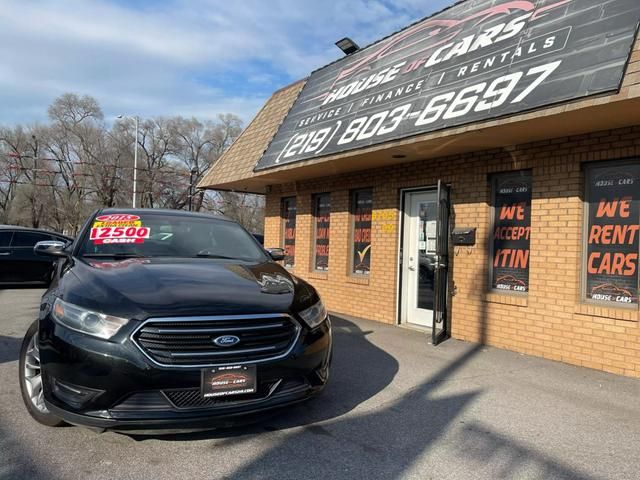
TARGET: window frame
(44,237)
(284,218)
(315,198)
(587,168)
(493,179)
(10,232)
(352,226)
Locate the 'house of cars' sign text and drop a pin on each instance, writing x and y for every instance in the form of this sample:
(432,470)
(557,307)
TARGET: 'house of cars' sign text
(477,60)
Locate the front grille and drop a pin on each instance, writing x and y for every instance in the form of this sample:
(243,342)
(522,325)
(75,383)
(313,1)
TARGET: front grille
(192,397)
(189,341)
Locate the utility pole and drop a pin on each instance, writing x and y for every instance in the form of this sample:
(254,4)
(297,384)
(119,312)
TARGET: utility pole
(135,163)
(35,220)
(136,120)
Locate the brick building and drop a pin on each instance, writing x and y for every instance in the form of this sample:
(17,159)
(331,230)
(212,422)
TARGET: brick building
(515,228)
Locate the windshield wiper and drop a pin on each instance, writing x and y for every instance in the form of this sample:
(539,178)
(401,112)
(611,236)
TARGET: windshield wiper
(211,255)
(113,255)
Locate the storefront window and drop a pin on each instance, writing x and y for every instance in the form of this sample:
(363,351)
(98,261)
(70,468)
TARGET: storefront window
(322,224)
(361,208)
(289,230)
(511,234)
(612,216)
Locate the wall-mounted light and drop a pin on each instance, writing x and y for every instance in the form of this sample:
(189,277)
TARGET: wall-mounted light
(347,45)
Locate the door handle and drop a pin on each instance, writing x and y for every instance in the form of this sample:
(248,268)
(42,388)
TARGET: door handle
(412,268)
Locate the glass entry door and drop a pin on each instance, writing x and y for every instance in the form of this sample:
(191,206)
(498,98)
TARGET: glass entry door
(425,260)
(419,257)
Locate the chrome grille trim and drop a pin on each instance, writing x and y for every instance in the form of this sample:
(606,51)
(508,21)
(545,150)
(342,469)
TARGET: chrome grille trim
(214,318)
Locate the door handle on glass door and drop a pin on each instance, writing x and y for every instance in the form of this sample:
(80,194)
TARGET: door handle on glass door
(412,268)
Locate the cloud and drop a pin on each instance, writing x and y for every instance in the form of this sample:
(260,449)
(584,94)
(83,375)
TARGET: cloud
(188,57)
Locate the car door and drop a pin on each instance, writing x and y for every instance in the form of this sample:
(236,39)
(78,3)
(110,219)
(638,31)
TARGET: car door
(5,253)
(25,265)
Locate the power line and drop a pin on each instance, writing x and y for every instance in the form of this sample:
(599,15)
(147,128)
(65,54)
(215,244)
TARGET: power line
(104,166)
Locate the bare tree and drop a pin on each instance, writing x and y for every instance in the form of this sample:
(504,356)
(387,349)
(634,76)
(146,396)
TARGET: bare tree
(75,142)
(245,208)
(199,145)
(53,175)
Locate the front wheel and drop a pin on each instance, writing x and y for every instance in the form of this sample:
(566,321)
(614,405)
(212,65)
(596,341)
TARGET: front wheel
(31,379)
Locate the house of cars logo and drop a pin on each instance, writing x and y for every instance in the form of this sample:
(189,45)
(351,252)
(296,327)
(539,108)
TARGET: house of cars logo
(512,186)
(432,36)
(614,178)
(226,340)
(229,379)
(612,292)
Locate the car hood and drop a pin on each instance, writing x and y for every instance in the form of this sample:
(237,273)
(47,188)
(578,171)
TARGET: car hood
(139,288)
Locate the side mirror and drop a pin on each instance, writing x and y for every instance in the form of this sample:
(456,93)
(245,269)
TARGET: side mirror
(51,248)
(276,254)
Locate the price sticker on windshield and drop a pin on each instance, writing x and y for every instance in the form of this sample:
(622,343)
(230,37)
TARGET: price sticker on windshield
(116,235)
(117,220)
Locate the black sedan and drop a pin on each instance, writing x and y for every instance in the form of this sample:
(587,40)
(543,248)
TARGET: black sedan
(18,262)
(164,320)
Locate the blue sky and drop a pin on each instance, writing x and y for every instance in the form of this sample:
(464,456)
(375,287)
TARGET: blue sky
(177,57)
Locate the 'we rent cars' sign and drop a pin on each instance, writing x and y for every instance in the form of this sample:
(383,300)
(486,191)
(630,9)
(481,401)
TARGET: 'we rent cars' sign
(477,60)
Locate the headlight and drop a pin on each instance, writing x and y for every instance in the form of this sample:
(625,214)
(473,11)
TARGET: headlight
(314,315)
(85,321)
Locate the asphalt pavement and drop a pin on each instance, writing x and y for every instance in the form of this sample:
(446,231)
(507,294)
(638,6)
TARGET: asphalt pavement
(395,408)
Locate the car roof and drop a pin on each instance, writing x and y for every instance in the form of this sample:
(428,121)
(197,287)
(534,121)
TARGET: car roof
(35,230)
(165,211)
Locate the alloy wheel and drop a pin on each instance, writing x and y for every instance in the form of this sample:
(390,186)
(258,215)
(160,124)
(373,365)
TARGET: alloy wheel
(33,375)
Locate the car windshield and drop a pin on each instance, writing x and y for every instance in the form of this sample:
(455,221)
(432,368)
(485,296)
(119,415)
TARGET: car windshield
(166,235)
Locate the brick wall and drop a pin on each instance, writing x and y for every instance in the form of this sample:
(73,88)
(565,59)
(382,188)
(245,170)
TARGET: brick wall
(545,323)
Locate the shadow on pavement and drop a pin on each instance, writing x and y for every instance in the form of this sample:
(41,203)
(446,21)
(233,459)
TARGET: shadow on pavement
(9,348)
(479,442)
(381,443)
(18,462)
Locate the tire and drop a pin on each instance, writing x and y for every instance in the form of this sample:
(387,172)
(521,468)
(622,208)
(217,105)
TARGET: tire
(30,376)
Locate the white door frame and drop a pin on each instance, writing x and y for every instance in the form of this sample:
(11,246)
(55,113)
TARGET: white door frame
(401,297)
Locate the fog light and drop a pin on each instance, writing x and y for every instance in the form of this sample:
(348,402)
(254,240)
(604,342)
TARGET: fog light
(74,395)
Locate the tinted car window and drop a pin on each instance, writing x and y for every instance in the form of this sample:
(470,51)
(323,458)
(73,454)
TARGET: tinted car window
(5,238)
(28,239)
(166,235)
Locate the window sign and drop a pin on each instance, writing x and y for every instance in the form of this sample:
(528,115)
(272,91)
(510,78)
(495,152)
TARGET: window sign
(511,232)
(289,230)
(362,204)
(612,244)
(322,213)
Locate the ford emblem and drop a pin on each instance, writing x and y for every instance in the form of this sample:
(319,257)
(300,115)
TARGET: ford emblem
(226,341)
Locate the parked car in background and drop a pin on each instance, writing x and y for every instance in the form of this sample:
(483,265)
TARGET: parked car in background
(18,262)
(259,237)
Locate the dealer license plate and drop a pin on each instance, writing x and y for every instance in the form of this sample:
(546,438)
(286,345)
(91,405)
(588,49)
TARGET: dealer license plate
(229,380)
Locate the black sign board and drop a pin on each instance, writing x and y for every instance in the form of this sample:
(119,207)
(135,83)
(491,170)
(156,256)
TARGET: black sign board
(477,60)
(362,208)
(612,234)
(322,218)
(511,232)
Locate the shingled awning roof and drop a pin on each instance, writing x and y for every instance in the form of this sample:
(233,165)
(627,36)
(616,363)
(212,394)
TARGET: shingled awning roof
(236,164)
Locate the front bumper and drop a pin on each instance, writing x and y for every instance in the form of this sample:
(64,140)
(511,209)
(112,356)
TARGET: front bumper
(123,390)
